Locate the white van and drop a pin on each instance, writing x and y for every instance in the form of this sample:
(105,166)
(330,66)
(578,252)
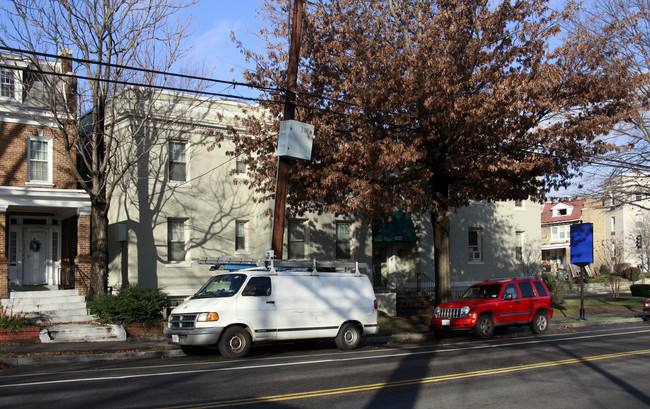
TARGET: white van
(260,304)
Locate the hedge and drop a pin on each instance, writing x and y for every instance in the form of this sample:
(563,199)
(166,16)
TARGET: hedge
(640,290)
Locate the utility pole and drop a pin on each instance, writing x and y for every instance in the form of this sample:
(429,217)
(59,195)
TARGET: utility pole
(284,163)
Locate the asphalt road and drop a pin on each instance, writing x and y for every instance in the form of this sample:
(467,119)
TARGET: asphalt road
(593,367)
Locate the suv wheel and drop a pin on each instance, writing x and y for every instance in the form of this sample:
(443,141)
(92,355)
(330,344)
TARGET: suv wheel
(484,327)
(540,323)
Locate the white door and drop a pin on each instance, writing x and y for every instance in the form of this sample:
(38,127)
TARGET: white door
(35,250)
(256,307)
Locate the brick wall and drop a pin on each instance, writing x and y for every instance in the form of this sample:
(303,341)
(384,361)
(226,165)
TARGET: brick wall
(83,260)
(4,261)
(13,156)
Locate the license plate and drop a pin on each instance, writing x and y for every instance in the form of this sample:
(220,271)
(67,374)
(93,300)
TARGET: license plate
(174,338)
(445,322)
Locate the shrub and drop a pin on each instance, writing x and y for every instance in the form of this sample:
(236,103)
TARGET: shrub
(604,270)
(557,288)
(632,273)
(640,290)
(13,322)
(132,304)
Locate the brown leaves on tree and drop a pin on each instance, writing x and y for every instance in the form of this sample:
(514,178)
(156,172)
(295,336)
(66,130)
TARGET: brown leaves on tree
(424,105)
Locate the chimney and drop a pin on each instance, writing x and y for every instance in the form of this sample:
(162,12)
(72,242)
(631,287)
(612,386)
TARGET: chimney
(69,81)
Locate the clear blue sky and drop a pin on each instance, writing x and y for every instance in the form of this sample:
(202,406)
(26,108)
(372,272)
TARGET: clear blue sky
(212,24)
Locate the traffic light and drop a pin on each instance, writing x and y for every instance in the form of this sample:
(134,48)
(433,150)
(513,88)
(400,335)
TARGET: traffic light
(639,241)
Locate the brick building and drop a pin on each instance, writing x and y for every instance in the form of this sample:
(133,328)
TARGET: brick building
(44,219)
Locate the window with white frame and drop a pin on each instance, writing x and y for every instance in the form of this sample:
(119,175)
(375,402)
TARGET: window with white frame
(296,239)
(562,232)
(519,204)
(475,243)
(638,221)
(7,83)
(177,161)
(240,167)
(39,152)
(176,249)
(519,246)
(612,224)
(343,240)
(241,241)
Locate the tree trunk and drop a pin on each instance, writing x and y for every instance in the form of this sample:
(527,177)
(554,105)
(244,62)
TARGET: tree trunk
(99,249)
(441,225)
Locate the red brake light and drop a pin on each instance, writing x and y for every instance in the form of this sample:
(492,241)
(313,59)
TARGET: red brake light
(376,305)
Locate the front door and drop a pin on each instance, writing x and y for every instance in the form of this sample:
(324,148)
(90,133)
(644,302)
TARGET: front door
(35,251)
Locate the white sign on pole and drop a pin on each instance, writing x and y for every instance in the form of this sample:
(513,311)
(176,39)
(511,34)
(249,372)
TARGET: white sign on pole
(295,139)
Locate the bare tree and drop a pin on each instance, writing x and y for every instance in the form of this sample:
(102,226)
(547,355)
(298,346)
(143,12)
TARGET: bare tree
(626,25)
(103,38)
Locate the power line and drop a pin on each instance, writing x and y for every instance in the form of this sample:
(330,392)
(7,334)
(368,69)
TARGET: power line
(271,90)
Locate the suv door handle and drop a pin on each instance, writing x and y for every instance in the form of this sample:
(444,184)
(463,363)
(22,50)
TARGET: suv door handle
(517,302)
(270,302)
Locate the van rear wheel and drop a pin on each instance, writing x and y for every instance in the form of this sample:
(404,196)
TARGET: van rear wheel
(235,342)
(349,337)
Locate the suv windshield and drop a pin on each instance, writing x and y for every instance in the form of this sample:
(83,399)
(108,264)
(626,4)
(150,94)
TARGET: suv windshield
(483,291)
(223,285)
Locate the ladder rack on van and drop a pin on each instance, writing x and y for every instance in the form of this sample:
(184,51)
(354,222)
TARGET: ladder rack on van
(233,263)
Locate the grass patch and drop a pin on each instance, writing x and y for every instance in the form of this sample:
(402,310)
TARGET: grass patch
(596,306)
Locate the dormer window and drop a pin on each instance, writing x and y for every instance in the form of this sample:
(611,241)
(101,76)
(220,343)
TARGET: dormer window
(7,82)
(562,210)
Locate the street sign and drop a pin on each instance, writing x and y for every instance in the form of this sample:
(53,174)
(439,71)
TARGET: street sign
(582,244)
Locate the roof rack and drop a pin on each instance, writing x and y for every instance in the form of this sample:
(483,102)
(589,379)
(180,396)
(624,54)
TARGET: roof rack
(234,263)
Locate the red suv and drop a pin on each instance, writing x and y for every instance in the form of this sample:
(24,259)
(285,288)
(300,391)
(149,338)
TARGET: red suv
(496,304)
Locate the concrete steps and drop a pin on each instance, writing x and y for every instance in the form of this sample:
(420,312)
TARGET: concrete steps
(49,306)
(82,333)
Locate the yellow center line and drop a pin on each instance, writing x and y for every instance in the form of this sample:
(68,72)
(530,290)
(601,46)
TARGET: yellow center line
(408,382)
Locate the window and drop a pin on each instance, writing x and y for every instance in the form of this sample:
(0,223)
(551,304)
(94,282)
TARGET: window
(177,162)
(240,167)
(176,240)
(560,232)
(510,293)
(474,241)
(519,246)
(7,83)
(240,236)
(638,221)
(297,239)
(39,151)
(612,224)
(519,204)
(257,287)
(55,246)
(540,289)
(526,289)
(343,240)
(13,242)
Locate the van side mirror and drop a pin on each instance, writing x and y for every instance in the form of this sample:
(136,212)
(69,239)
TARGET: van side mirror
(508,297)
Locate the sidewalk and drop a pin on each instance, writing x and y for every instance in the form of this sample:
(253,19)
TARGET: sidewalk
(71,352)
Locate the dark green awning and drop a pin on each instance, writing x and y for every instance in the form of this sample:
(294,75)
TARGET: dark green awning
(399,228)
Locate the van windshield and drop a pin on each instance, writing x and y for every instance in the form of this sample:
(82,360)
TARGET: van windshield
(483,291)
(223,285)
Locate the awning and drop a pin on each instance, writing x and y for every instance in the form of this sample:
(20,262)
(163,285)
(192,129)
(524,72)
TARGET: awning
(552,246)
(400,228)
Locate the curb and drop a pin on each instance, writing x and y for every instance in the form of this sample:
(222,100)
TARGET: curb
(80,358)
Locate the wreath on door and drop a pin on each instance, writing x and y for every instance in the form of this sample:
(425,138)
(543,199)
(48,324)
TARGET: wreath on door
(34,245)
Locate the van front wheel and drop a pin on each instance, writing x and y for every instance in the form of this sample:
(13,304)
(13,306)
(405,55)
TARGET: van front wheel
(235,343)
(348,337)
